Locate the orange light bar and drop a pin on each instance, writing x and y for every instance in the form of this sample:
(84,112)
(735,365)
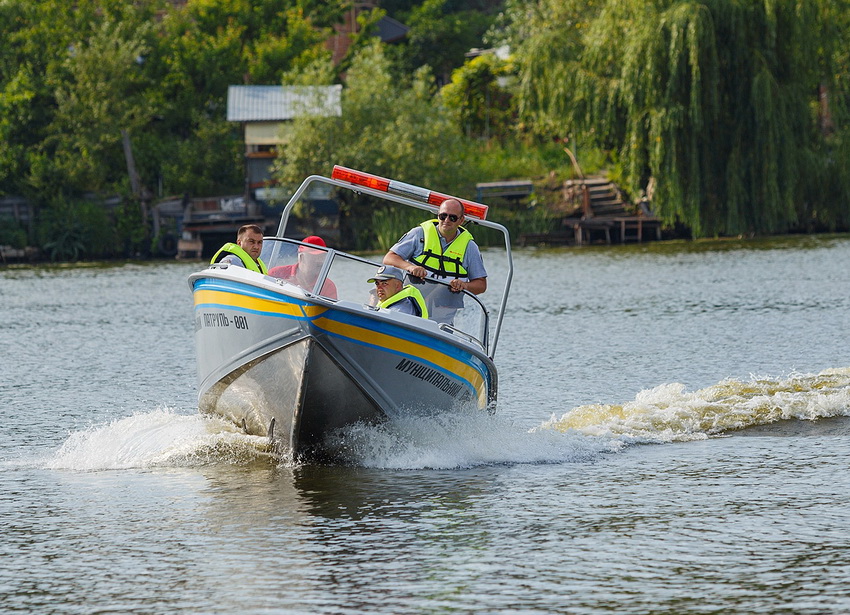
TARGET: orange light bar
(361,179)
(471,209)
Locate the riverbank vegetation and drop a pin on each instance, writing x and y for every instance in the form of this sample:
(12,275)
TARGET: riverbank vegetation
(733,115)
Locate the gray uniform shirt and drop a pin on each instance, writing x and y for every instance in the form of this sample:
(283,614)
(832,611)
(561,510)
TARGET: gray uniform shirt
(232,259)
(405,306)
(412,245)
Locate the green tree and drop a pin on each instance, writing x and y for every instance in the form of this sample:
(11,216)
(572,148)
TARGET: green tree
(442,31)
(16,113)
(103,95)
(70,73)
(715,100)
(40,40)
(207,161)
(74,76)
(390,125)
(209,45)
(476,94)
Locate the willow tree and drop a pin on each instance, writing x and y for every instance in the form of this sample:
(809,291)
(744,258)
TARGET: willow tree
(715,100)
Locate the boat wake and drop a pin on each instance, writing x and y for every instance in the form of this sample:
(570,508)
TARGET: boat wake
(165,438)
(668,413)
(460,440)
(160,438)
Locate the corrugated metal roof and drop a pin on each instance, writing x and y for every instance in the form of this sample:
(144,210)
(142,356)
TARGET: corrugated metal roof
(268,103)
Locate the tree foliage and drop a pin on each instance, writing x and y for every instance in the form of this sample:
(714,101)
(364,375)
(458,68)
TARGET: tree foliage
(63,69)
(716,100)
(102,95)
(74,75)
(736,110)
(476,94)
(441,32)
(390,125)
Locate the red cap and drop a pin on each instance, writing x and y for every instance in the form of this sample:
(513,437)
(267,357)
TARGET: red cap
(316,241)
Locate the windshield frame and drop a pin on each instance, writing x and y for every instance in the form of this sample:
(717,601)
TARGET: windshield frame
(492,339)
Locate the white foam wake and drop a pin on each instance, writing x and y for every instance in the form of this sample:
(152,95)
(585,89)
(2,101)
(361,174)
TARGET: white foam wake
(460,440)
(669,413)
(157,438)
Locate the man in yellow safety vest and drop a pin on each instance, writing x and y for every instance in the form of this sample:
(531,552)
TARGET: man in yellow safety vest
(442,249)
(393,294)
(246,251)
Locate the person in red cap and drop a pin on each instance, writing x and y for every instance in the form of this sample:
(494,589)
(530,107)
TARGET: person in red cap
(306,270)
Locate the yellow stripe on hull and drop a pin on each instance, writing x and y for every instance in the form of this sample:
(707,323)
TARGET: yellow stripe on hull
(406,347)
(356,333)
(255,304)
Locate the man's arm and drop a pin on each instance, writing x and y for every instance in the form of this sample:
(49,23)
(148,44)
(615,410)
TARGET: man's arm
(474,265)
(393,259)
(476,286)
(232,259)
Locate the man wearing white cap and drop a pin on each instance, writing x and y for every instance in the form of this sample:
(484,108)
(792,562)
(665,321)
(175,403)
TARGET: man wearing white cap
(393,294)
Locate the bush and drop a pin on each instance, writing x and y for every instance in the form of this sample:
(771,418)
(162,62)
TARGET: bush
(70,231)
(11,233)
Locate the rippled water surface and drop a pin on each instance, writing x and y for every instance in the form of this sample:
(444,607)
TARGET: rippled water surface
(672,437)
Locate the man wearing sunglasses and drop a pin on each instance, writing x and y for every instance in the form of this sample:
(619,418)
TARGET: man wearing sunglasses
(442,249)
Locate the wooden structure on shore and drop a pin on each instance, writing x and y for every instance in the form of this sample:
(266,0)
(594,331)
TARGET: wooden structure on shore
(515,190)
(599,214)
(188,228)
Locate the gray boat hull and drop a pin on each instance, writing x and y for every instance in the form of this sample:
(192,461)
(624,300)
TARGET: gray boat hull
(297,368)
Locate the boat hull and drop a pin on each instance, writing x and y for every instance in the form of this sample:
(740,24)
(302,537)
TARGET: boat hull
(296,368)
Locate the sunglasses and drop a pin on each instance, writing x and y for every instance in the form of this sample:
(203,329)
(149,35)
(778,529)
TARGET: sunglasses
(451,217)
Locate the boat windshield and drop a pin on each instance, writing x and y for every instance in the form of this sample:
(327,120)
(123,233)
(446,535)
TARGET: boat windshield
(384,207)
(342,277)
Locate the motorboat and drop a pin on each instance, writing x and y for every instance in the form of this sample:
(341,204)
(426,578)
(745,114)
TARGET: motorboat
(296,359)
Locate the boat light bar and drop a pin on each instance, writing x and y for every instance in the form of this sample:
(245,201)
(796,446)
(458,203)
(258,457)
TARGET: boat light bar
(471,209)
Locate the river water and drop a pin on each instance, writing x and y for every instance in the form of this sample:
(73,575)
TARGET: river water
(672,437)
